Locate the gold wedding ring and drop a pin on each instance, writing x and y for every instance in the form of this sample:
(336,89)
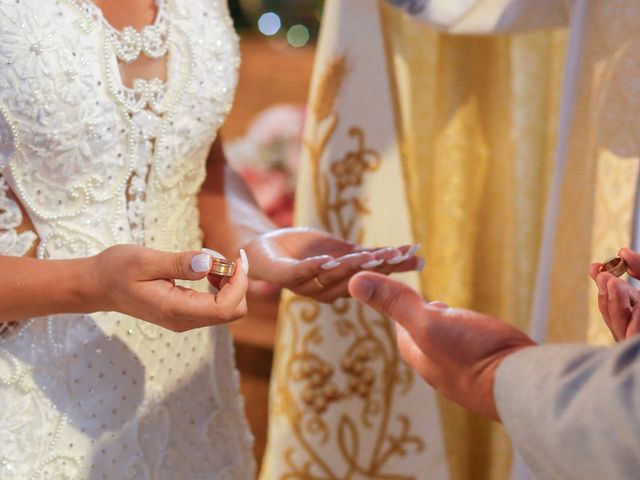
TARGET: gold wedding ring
(615,266)
(224,268)
(319,283)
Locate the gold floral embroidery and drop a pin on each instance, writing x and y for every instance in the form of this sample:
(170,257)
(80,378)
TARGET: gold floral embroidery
(370,371)
(340,394)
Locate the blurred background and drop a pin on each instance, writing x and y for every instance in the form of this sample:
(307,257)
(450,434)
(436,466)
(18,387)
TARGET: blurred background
(263,139)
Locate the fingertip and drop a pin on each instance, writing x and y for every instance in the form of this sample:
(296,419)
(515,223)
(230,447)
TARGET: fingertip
(601,282)
(244,261)
(238,275)
(625,251)
(440,305)
(240,271)
(318,260)
(362,286)
(630,257)
(594,270)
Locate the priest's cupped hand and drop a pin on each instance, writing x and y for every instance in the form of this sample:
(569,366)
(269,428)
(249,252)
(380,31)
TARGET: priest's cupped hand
(619,301)
(456,351)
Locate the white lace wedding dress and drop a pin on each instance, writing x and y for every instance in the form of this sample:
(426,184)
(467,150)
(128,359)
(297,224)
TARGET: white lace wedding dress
(95,164)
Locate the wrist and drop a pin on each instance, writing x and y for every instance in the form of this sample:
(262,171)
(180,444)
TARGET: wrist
(85,294)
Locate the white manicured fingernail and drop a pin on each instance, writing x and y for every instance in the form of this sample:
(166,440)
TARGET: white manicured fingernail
(420,265)
(397,260)
(245,261)
(201,263)
(214,254)
(330,264)
(413,250)
(439,305)
(372,264)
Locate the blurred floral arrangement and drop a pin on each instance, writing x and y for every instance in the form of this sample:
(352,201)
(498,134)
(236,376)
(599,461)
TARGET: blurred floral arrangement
(267,158)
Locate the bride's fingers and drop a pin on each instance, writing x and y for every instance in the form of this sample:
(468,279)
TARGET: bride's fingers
(334,272)
(412,264)
(290,273)
(403,262)
(233,289)
(156,264)
(339,290)
(185,308)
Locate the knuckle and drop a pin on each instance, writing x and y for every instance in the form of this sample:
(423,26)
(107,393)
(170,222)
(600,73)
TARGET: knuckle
(171,313)
(225,313)
(297,277)
(177,267)
(242,311)
(391,301)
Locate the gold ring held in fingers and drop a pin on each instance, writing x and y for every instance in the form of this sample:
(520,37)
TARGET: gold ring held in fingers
(319,283)
(224,268)
(615,266)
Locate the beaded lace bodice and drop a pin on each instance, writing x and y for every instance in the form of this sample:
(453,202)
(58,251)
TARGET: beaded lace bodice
(94,164)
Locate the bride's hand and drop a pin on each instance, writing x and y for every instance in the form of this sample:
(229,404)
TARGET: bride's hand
(139,281)
(319,265)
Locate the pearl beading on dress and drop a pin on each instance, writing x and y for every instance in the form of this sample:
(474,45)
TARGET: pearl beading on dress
(152,41)
(147,108)
(93,393)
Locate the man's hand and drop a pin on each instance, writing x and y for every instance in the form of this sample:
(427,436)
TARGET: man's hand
(618,301)
(456,351)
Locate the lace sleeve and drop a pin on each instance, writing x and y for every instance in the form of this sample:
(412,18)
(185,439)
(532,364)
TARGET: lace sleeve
(8,139)
(12,243)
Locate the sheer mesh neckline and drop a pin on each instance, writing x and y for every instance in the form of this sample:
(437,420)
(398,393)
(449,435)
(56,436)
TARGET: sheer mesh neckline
(159,16)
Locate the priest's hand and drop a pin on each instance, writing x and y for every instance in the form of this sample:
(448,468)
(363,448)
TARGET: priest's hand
(618,301)
(456,351)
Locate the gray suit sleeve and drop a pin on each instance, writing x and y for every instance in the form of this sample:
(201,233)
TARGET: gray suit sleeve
(573,411)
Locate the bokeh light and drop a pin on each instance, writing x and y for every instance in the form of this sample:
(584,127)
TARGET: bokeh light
(269,23)
(298,36)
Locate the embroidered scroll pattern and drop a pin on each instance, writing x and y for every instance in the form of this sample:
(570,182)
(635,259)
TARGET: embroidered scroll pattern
(340,372)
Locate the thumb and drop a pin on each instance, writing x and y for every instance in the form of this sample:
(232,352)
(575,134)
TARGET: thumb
(633,261)
(389,297)
(193,265)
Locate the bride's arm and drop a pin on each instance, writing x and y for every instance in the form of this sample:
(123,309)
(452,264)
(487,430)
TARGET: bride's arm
(31,287)
(133,280)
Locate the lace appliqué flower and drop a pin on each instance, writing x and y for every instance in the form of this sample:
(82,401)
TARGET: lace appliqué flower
(12,243)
